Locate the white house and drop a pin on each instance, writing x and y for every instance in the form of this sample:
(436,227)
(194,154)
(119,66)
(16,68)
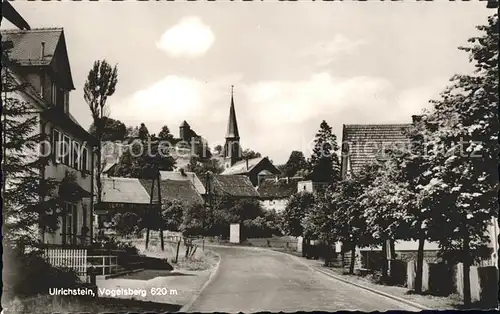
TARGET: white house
(42,63)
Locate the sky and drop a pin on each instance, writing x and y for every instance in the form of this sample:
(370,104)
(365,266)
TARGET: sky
(292,64)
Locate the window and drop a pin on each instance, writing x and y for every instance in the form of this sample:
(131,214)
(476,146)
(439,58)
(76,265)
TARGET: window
(84,159)
(69,225)
(76,156)
(66,101)
(54,93)
(56,144)
(66,150)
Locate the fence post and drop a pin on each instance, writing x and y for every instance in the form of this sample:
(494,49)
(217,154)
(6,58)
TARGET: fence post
(177,253)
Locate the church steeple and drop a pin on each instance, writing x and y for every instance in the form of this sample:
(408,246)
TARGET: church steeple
(232,124)
(232,149)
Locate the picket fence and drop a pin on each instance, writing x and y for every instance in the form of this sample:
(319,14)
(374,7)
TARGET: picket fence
(75,259)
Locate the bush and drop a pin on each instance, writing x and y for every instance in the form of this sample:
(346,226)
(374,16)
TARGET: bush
(108,243)
(29,274)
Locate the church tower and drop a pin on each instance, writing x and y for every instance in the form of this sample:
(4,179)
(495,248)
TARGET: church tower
(232,149)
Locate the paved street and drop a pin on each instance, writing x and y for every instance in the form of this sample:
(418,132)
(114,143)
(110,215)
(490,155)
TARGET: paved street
(252,279)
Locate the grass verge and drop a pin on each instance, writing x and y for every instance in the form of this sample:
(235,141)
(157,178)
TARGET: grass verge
(200,260)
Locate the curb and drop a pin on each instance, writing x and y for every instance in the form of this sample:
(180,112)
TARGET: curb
(193,299)
(417,306)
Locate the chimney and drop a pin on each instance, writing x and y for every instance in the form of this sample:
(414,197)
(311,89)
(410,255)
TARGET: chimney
(42,52)
(182,172)
(287,180)
(416,118)
(246,160)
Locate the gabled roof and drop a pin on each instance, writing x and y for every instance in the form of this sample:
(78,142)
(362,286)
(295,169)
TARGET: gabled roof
(124,190)
(184,124)
(27,50)
(240,167)
(363,143)
(232,185)
(184,176)
(28,43)
(182,191)
(281,188)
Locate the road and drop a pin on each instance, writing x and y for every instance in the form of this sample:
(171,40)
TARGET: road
(254,280)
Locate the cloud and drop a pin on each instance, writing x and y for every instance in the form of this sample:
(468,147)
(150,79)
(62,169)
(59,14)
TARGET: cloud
(274,117)
(190,37)
(326,52)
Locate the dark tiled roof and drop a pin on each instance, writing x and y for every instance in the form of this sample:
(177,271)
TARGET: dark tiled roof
(28,43)
(232,185)
(367,141)
(183,191)
(27,50)
(281,188)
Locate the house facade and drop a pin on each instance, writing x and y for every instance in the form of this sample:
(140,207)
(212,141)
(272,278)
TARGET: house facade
(275,192)
(42,64)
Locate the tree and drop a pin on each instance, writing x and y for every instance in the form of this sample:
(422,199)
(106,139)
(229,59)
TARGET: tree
(325,164)
(143,132)
(385,202)
(165,134)
(295,163)
(30,204)
(218,149)
(172,214)
(132,132)
(142,156)
(202,167)
(100,84)
(465,129)
(113,130)
(250,154)
(193,221)
(296,209)
(126,223)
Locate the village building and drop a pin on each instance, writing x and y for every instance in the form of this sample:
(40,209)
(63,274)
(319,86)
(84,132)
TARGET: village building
(275,192)
(42,63)
(230,186)
(121,195)
(367,143)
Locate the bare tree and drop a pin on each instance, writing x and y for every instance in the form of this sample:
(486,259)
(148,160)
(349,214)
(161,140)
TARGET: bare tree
(100,84)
